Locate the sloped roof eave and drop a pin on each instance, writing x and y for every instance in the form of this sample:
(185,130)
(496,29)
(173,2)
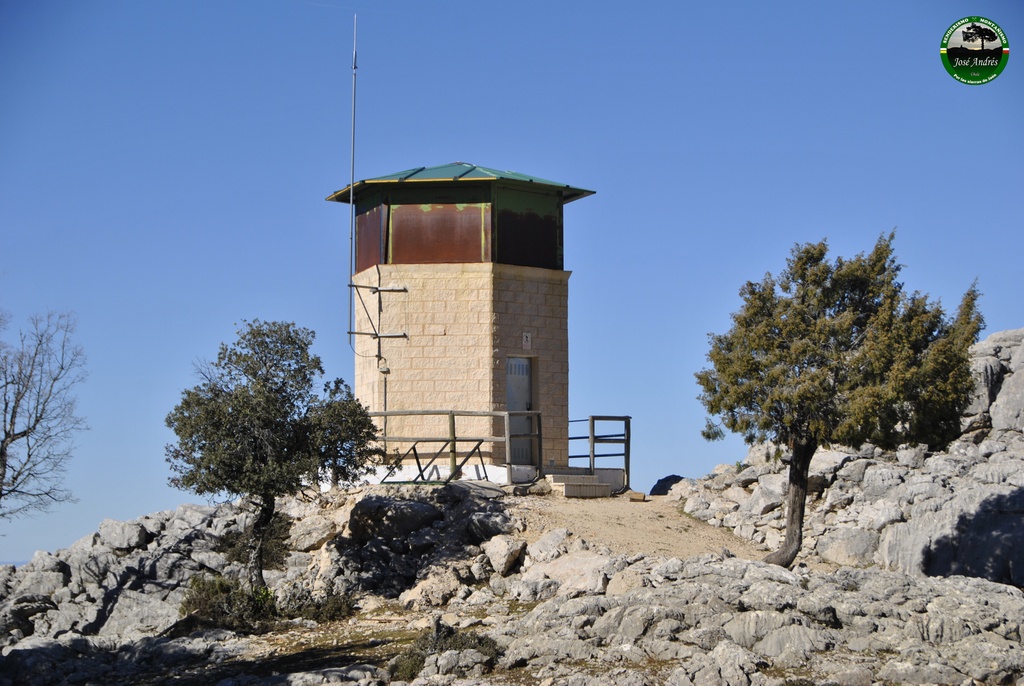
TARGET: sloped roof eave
(455,172)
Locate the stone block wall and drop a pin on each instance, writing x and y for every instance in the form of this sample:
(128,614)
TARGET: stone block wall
(461,323)
(536,302)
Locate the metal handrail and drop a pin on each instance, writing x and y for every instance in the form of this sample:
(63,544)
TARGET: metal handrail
(452,439)
(594,439)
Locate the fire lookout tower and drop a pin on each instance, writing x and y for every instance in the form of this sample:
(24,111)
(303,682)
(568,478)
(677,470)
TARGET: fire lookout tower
(461,308)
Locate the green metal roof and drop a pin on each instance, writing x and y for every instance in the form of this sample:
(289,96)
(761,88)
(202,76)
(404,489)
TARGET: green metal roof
(455,172)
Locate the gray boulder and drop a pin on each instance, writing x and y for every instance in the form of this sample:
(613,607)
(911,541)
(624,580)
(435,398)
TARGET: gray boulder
(133,615)
(583,572)
(504,553)
(457,662)
(549,546)
(993,362)
(123,536)
(382,516)
(1007,411)
(43,575)
(435,590)
(731,621)
(483,526)
(767,495)
(125,581)
(848,547)
(315,520)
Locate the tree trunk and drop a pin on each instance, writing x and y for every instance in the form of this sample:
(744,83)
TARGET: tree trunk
(3,464)
(254,560)
(796,500)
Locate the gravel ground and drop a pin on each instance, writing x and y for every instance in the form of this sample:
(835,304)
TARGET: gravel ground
(652,527)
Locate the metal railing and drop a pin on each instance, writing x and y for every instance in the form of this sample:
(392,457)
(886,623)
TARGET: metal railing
(595,439)
(449,443)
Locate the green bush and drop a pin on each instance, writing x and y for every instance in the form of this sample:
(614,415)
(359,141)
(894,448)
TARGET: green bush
(221,602)
(407,665)
(275,547)
(320,609)
(438,639)
(438,642)
(208,597)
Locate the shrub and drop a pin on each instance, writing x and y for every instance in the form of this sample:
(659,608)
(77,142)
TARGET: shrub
(320,608)
(275,546)
(221,602)
(438,642)
(407,665)
(438,639)
(208,597)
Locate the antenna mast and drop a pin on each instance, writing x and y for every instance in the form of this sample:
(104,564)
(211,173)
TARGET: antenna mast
(351,195)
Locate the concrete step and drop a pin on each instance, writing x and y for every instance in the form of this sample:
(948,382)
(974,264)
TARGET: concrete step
(579,486)
(587,490)
(572,479)
(562,469)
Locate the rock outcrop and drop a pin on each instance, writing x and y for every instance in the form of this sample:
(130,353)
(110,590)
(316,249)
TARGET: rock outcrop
(710,620)
(125,581)
(911,575)
(957,512)
(123,584)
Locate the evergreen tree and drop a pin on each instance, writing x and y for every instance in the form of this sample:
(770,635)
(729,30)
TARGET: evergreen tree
(255,427)
(838,353)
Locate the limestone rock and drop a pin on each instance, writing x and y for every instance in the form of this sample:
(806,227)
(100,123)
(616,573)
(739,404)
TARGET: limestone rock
(43,575)
(377,516)
(702,612)
(458,662)
(503,553)
(992,360)
(483,526)
(312,526)
(630,620)
(549,546)
(578,573)
(850,547)
(824,467)
(767,495)
(625,580)
(123,535)
(133,615)
(434,591)
(1007,411)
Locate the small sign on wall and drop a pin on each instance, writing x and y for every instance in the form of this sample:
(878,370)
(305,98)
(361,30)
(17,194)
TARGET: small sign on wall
(527,340)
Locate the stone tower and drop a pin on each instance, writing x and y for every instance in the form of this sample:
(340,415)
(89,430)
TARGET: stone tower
(461,304)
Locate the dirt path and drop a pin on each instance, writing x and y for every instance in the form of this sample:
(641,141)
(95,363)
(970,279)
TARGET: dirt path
(653,527)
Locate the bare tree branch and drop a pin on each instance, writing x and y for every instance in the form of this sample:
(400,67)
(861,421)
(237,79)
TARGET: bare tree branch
(37,380)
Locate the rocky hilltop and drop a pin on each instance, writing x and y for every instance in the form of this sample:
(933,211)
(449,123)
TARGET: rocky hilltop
(910,574)
(958,512)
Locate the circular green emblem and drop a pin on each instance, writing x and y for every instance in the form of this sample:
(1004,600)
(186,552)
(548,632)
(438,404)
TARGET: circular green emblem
(974,50)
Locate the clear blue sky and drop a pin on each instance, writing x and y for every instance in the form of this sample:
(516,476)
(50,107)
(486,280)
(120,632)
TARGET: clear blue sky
(163,168)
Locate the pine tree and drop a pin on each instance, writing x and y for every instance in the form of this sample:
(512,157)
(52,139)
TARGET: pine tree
(838,354)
